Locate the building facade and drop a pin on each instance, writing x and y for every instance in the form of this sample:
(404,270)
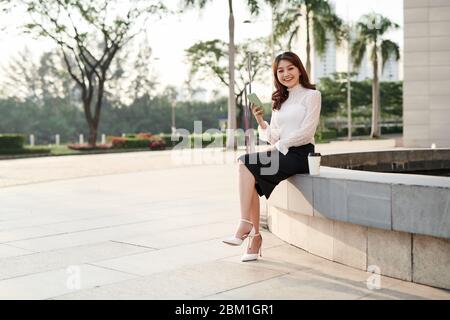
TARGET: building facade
(426,94)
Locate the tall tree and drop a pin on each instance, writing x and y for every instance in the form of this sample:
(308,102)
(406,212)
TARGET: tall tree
(132,75)
(89,33)
(319,18)
(370,39)
(208,60)
(254,8)
(22,78)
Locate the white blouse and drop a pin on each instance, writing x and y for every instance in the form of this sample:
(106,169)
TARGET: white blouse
(296,122)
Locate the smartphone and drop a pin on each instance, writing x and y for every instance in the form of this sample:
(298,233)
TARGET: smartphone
(253,98)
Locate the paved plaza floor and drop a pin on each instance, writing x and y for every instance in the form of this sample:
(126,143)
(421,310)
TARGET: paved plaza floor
(145,225)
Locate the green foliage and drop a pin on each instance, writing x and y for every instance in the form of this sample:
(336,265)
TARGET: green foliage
(209,60)
(11,141)
(371,29)
(334,97)
(24,151)
(130,143)
(391,98)
(55,117)
(322,20)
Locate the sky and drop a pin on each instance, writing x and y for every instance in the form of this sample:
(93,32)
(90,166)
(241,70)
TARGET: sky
(170,36)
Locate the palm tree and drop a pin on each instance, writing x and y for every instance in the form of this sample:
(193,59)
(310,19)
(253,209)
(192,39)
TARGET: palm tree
(369,39)
(320,19)
(253,5)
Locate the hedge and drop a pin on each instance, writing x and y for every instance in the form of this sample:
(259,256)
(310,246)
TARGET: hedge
(11,141)
(24,151)
(206,139)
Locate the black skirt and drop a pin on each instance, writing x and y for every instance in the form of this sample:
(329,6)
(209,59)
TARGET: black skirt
(271,167)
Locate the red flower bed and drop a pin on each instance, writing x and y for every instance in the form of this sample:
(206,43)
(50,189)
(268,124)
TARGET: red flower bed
(86,147)
(157,145)
(141,140)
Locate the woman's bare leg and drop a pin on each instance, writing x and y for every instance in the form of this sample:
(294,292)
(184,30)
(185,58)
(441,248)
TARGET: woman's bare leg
(255,215)
(249,201)
(254,210)
(246,197)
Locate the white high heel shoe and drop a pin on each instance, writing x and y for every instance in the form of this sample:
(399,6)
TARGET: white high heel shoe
(234,241)
(252,256)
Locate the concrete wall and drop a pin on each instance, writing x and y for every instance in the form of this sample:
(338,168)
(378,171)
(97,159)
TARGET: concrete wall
(398,223)
(426,73)
(401,255)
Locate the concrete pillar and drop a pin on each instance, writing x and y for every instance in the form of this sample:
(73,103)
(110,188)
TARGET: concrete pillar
(426,94)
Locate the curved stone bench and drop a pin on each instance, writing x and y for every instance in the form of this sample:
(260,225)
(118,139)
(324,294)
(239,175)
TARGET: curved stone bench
(396,223)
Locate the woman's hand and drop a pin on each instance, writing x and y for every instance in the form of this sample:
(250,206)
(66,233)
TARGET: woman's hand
(258,112)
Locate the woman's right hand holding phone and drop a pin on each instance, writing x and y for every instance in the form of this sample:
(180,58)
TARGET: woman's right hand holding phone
(258,112)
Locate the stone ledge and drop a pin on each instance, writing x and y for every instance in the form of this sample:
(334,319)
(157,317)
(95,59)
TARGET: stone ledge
(402,202)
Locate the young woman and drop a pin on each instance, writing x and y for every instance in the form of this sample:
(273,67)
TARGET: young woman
(295,116)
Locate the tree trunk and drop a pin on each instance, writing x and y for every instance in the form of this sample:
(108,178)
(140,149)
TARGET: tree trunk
(375,131)
(92,141)
(231,97)
(98,108)
(239,117)
(91,122)
(308,47)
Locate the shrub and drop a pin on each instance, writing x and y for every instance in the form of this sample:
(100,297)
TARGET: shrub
(145,136)
(324,135)
(156,142)
(129,143)
(167,138)
(216,140)
(138,141)
(24,151)
(11,141)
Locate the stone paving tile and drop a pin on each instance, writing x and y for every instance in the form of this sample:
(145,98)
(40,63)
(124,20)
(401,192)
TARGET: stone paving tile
(408,290)
(310,284)
(7,251)
(38,219)
(174,257)
(53,283)
(113,233)
(330,275)
(45,261)
(26,233)
(102,222)
(190,282)
(294,286)
(183,236)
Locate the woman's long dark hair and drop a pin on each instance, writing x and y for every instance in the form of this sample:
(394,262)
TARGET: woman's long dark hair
(281,93)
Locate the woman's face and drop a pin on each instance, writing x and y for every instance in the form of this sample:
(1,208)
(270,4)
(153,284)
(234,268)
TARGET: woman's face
(288,74)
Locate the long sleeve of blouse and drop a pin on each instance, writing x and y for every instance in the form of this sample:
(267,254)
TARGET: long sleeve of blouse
(296,122)
(271,133)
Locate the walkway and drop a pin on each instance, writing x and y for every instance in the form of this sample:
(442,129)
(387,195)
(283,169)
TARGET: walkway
(139,226)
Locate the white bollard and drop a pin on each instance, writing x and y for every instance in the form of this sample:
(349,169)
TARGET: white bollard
(32,140)
(103,138)
(81,140)
(57,139)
